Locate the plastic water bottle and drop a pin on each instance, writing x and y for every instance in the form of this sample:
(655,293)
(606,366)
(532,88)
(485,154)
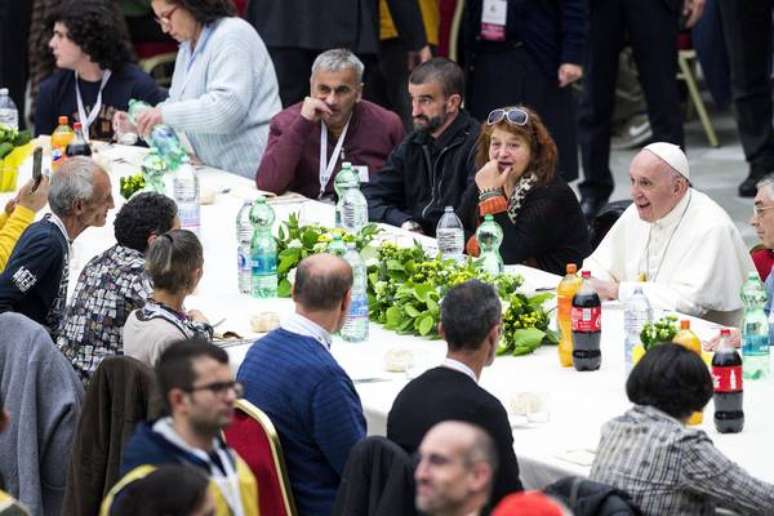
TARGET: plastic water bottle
(637,312)
(355,327)
(490,236)
(9,115)
(336,246)
(263,250)
(186,192)
(244,234)
(354,207)
(450,236)
(344,179)
(755,329)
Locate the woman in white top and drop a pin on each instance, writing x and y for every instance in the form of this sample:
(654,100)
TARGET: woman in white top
(174,263)
(224,90)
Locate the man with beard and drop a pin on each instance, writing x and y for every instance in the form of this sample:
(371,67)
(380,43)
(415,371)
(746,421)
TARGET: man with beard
(434,165)
(198,391)
(333,118)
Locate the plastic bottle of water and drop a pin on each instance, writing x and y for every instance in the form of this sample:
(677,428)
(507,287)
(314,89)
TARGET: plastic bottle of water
(355,327)
(9,115)
(343,180)
(186,191)
(450,236)
(244,234)
(490,235)
(336,246)
(755,329)
(263,249)
(637,312)
(354,207)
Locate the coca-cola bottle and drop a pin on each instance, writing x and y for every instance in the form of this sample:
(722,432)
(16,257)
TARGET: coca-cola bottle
(586,316)
(729,392)
(78,146)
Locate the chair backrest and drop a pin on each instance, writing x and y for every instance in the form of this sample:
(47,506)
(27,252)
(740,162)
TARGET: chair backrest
(255,439)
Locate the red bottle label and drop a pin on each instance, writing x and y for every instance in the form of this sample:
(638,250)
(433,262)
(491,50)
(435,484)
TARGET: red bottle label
(586,319)
(727,379)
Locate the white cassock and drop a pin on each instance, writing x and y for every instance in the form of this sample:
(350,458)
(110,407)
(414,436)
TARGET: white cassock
(693,258)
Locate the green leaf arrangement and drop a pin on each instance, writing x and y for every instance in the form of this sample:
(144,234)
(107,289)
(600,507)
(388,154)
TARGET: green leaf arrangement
(405,285)
(663,330)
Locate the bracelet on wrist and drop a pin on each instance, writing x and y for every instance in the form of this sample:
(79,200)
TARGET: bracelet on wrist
(488,194)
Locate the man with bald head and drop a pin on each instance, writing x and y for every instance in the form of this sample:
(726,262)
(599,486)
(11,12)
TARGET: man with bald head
(674,241)
(35,281)
(457,463)
(291,375)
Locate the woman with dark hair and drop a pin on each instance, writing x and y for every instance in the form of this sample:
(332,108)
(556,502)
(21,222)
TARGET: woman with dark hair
(224,89)
(169,490)
(114,283)
(665,466)
(517,183)
(175,264)
(96,77)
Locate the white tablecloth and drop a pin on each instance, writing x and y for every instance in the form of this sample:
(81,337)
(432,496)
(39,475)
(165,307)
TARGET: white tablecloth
(579,403)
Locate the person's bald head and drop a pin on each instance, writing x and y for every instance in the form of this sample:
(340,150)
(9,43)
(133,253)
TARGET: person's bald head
(322,282)
(458,462)
(656,187)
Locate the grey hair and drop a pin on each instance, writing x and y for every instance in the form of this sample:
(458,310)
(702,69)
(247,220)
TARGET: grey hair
(338,59)
(767,182)
(74,181)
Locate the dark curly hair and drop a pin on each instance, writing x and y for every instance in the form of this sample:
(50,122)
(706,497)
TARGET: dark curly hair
(145,214)
(207,11)
(92,25)
(542,148)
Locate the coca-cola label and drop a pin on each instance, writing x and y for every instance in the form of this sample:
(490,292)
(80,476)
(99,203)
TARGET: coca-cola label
(727,379)
(586,319)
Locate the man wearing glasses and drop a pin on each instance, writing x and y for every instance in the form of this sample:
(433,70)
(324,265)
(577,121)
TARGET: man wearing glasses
(198,391)
(673,241)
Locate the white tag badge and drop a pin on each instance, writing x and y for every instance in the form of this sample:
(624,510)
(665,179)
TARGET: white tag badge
(362,172)
(494,14)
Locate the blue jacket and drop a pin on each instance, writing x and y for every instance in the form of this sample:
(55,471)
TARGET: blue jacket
(313,405)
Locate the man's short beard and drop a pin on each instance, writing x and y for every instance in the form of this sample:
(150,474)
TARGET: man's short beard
(433,124)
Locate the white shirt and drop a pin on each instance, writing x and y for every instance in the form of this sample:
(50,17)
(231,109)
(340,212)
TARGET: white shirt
(460,367)
(296,323)
(695,262)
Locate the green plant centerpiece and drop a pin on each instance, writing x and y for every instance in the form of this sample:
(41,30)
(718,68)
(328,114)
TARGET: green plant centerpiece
(663,330)
(406,285)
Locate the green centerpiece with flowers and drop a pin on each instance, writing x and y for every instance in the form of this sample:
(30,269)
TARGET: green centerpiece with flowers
(406,285)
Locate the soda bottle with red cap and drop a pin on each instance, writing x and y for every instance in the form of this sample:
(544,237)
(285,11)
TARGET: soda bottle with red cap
(729,391)
(586,317)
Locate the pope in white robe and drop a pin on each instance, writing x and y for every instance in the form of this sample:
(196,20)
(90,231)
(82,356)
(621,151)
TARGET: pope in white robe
(679,241)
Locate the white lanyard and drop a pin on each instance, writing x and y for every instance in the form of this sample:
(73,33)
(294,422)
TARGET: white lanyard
(326,167)
(86,121)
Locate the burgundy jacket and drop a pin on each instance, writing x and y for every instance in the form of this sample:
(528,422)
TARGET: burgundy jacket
(292,157)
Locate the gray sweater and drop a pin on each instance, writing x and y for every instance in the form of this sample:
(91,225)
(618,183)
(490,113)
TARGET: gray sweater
(225,96)
(42,393)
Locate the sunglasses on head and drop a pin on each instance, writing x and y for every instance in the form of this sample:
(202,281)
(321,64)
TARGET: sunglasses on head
(514,116)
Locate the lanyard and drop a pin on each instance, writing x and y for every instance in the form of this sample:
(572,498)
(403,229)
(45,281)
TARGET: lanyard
(86,121)
(326,167)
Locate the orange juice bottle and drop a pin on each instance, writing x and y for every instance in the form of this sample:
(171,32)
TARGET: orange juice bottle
(566,290)
(686,338)
(61,136)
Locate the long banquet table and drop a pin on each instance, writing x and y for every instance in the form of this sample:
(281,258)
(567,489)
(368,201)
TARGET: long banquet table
(577,403)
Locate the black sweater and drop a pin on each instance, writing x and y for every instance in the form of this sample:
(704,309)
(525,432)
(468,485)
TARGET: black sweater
(549,232)
(443,394)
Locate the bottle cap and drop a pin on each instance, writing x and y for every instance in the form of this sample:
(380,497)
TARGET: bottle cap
(572,268)
(685,324)
(77,125)
(725,332)
(586,274)
(63,120)
(3,91)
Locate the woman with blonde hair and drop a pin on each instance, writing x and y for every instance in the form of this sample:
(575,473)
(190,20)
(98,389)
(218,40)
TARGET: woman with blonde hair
(175,264)
(517,184)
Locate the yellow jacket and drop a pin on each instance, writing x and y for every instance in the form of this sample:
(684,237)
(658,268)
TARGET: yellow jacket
(11,228)
(248,490)
(430,15)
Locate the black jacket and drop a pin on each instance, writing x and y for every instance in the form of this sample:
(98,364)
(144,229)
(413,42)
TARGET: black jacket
(443,394)
(588,498)
(423,175)
(549,232)
(316,25)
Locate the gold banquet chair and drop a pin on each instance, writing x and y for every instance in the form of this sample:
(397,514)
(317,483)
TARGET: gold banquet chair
(253,436)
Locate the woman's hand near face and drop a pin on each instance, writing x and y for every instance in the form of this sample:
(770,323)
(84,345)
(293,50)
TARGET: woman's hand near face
(489,176)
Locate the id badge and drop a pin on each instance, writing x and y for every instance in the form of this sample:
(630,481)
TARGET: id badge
(494,14)
(362,172)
